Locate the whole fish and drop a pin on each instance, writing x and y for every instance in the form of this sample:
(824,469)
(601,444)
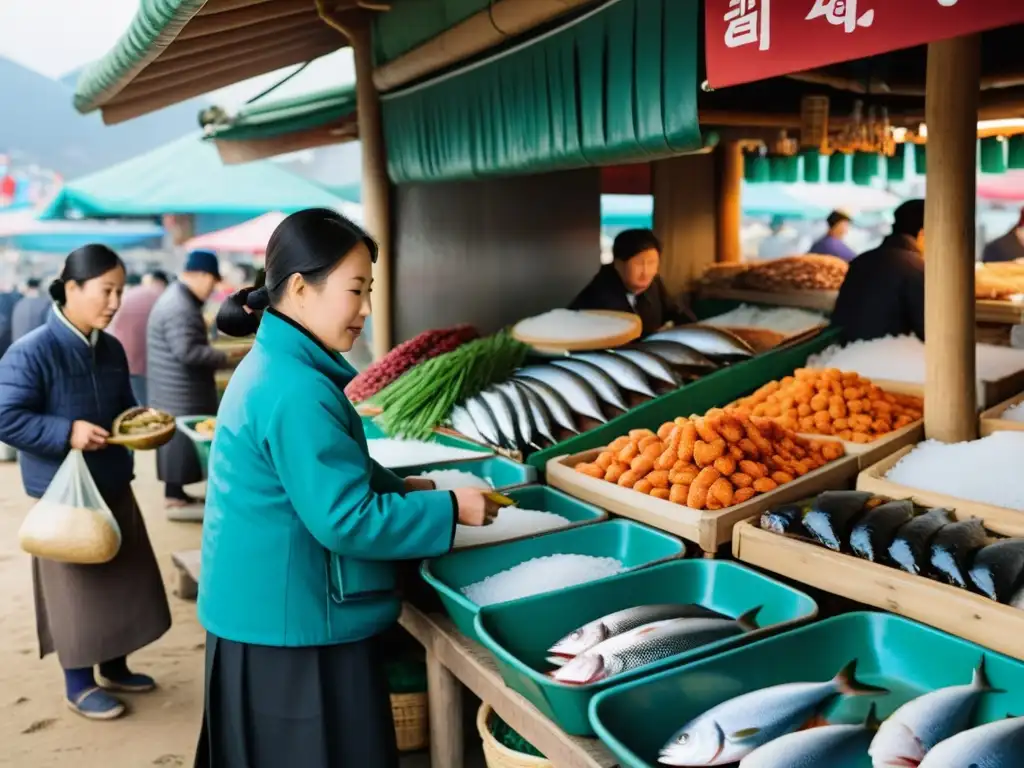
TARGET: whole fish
(484,420)
(911,549)
(954,548)
(993,745)
(789,518)
(553,401)
(834,514)
(920,724)
(678,354)
(875,531)
(538,411)
(716,342)
(998,569)
(649,644)
(603,384)
(834,746)
(599,630)
(577,392)
(503,415)
(623,371)
(732,730)
(521,411)
(655,367)
(462,422)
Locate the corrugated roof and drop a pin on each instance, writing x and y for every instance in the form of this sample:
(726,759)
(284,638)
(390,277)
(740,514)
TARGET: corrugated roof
(274,117)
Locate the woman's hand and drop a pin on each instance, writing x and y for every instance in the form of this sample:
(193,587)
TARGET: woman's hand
(88,437)
(474,507)
(413,484)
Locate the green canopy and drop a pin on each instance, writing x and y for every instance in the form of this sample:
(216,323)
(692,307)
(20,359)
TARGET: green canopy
(183,177)
(274,117)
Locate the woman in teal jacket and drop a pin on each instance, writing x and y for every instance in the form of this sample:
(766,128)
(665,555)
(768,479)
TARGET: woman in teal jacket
(302,527)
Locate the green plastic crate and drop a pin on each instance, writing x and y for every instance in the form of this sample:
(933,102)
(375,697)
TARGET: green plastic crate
(632,544)
(636,719)
(187,425)
(716,389)
(519,633)
(500,472)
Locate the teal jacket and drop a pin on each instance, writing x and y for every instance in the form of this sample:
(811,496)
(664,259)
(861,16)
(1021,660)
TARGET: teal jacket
(302,528)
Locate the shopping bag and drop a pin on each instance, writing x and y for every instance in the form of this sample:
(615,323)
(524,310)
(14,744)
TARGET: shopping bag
(71,523)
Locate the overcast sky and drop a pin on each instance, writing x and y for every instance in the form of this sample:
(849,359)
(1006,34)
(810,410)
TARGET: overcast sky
(56,36)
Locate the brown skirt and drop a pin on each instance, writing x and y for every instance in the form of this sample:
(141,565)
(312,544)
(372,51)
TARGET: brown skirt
(93,613)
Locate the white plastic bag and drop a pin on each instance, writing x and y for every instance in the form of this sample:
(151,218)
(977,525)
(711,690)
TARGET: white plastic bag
(71,523)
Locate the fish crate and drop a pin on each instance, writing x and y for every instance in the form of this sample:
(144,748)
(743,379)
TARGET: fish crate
(635,546)
(637,719)
(500,472)
(519,633)
(708,529)
(870,453)
(1002,520)
(957,611)
(992,420)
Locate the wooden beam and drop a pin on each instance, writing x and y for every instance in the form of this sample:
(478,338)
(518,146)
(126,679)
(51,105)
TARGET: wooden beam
(201,26)
(236,152)
(729,213)
(499,22)
(954,67)
(265,31)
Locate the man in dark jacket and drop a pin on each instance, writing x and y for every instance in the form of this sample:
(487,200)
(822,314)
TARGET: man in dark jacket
(883,293)
(1008,247)
(631,283)
(31,310)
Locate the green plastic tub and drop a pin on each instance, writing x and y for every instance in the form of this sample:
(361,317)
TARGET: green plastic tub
(716,389)
(519,633)
(636,719)
(500,472)
(187,425)
(632,544)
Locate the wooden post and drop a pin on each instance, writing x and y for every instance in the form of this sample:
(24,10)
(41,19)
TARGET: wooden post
(444,694)
(951,109)
(376,186)
(730,207)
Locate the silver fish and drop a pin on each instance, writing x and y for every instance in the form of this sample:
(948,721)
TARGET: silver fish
(538,411)
(599,630)
(553,401)
(504,415)
(716,342)
(603,384)
(835,746)
(729,732)
(913,729)
(623,371)
(678,354)
(577,392)
(462,422)
(521,409)
(484,420)
(655,367)
(993,745)
(646,645)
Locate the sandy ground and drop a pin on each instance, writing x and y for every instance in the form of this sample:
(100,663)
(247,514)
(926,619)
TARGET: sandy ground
(36,728)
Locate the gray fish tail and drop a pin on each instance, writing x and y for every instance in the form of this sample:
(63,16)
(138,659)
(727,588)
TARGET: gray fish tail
(748,620)
(848,685)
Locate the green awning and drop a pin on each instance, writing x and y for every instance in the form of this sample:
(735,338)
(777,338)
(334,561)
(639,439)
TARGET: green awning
(616,85)
(270,118)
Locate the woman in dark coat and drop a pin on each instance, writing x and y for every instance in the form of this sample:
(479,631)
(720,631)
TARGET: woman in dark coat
(61,387)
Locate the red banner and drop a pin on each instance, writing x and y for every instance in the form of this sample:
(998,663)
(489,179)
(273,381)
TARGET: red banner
(748,40)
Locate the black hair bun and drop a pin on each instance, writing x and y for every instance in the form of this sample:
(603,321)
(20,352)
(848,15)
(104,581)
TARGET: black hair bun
(233,320)
(258,299)
(57,292)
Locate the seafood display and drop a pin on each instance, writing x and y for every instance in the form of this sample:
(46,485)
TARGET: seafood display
(998,745)
(837,746)
(833,402)
(931,543)
(809,272)
(712,462)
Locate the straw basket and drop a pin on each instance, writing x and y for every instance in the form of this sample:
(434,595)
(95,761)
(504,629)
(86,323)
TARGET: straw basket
(143,442)
(496,754)
(409,711)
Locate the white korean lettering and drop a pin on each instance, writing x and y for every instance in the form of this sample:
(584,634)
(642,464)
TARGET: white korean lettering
(842,13)
(749,22)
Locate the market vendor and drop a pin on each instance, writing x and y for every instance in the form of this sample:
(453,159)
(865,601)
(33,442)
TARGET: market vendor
(631,283)
(301,525)
(883,293)
(832,243)
(1008,247)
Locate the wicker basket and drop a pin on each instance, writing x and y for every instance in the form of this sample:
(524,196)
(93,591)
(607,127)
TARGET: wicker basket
(496,754)
(409,711)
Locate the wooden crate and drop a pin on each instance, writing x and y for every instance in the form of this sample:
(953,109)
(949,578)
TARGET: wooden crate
(707,529)
(1002,520)
(992,421)
(870,453)
(945,607)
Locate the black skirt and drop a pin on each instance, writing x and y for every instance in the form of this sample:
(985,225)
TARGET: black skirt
(317,707)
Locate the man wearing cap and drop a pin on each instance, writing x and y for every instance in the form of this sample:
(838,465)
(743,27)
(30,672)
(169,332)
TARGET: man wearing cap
(1008,247)
(180,370)
(883,293)
(631,283)
(831,244)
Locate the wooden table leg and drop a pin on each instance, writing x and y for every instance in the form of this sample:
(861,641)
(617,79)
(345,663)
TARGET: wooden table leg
(445,696)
